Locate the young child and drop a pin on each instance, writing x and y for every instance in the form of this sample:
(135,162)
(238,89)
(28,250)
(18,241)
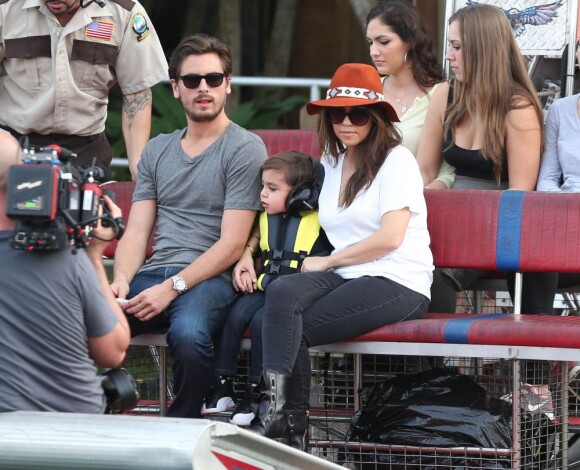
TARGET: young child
(287,232)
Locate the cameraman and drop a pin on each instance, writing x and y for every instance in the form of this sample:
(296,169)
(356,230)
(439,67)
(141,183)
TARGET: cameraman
(57,316)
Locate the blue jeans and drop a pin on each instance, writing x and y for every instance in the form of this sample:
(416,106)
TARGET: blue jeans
(192,322)
(310,309)
(246,310)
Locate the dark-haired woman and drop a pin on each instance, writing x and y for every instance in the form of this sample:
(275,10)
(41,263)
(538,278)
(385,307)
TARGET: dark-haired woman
(403,51)
(373,211)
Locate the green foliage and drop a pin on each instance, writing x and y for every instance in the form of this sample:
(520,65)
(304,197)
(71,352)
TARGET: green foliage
(265,111)
(168,114)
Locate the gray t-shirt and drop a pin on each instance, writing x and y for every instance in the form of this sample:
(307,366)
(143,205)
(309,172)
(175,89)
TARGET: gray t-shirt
(50,304)
(192,193)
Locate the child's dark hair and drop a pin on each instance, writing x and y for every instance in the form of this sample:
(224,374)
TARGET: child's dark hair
(297,167)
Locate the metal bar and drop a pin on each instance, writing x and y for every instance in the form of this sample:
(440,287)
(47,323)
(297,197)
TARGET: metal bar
(448,13)
(281,82)
(357,381)
(572,25)
(162,380)
(532,64)
(411,449)
(565,377)
(454,350)
(516,413)
(518,293)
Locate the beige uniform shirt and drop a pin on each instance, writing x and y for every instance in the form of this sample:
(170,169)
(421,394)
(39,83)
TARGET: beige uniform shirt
(56,79)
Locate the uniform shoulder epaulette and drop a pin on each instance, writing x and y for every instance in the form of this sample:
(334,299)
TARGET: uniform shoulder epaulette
(126,4)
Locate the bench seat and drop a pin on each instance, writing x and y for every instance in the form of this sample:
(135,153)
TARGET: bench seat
(496,231)
(494,329)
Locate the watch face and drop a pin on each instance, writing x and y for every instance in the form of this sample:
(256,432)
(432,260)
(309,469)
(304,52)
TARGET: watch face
(179,284)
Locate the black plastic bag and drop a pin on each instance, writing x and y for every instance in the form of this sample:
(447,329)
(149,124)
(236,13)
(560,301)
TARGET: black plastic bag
(436,408)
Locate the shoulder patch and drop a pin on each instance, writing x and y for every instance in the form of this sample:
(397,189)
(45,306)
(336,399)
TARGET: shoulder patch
(126,4)
(139,26)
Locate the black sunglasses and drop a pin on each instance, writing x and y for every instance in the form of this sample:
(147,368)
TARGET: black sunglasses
(357,116)
(192,80)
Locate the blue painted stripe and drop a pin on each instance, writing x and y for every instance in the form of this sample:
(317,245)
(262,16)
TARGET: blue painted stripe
(509,228)
(456,330)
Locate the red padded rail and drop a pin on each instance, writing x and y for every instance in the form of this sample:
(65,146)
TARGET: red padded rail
(463,227)
(283,140)
(550,239)
(509,330)
(430,329)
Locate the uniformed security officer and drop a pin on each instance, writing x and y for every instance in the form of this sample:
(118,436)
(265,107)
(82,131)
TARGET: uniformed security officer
(58,61)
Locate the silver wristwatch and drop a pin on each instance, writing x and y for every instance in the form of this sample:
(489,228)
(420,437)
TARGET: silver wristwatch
(179,284)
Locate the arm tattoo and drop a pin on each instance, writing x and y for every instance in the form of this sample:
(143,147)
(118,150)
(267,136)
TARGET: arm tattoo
(136,102)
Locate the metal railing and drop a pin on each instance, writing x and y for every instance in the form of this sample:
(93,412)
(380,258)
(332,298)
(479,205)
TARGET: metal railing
(313,84)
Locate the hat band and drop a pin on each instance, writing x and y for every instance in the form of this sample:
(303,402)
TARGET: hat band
(352,92)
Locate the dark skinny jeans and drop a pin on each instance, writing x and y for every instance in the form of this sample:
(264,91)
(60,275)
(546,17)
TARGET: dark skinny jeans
(246,311)
(310,309)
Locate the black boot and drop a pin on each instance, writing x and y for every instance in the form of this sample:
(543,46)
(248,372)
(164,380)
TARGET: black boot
(297,429)
(272,422)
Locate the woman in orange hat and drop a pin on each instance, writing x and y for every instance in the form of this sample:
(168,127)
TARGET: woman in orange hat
(372,209)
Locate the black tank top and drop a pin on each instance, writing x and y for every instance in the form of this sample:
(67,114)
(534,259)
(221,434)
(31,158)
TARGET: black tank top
(470,163)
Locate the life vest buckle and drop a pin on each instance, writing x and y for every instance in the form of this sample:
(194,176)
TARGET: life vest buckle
(277,254)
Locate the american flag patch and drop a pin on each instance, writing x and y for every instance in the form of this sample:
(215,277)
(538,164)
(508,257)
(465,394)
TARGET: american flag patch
(102,30)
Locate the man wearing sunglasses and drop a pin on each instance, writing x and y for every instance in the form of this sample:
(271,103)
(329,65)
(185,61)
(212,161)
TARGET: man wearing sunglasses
(60,58)
(199,188)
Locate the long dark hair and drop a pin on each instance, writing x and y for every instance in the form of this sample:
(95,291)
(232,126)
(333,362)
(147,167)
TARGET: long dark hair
(495,80)
(368,156)
(406,21)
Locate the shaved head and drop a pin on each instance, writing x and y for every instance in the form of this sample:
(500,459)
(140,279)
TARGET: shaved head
(9,155)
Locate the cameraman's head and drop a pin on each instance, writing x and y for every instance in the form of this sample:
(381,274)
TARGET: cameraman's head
(10,152)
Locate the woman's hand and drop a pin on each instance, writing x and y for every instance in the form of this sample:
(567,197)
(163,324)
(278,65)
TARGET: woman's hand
(248,282)
(316,263)
(244,278)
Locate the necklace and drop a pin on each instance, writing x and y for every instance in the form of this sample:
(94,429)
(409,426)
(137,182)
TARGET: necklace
(403,106)
(403,99)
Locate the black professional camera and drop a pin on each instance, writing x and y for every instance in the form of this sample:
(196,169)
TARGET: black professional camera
(120,391)
(55,203)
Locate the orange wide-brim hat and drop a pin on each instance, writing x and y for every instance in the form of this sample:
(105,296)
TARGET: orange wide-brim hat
(354,85)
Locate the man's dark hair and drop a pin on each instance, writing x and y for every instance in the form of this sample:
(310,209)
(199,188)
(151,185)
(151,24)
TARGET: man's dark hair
(198,44)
